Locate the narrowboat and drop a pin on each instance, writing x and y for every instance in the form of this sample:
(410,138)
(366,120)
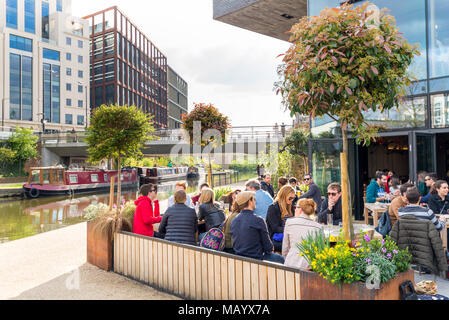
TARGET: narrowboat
(56,181)
(148,175)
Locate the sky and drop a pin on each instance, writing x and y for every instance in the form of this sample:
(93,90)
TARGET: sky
(232,68)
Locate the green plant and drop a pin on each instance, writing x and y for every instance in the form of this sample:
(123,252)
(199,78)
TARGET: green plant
(118,132)
(24,143)
(384,272)
(220,192)
(128,210)
(94,211)
(297,143)
(312,245)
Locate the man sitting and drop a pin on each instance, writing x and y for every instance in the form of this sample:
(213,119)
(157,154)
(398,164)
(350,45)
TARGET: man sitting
(398,203)
(376,190)
(145,216)
(263,199)
(180,186)
(250,233)
(332,205)
(425,214)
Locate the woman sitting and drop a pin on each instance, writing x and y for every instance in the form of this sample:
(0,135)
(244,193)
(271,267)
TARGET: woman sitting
(296,230)
(209,211)
(229,244)
(278,213)
(230,198)
(179,223)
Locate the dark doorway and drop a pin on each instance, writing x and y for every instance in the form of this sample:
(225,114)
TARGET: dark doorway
(443,156)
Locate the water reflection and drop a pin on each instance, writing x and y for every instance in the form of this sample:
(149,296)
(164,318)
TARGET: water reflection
(24,218)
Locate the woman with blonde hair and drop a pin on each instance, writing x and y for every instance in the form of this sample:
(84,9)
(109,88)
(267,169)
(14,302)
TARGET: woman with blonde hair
(209,211)
(296,230)
(278,213)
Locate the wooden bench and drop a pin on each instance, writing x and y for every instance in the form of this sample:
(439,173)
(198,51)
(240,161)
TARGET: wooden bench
(200,274)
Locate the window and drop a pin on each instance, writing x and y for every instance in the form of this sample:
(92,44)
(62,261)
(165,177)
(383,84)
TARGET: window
(438,38)
(80,120)
(94,178)
(440,110)
(11,14)
(80,44)
(19,43)
(69,71)
(98,96)
(69,102)
(30,16)
(68,119)
(51,54)
(73,178)
(80,59)
(80,104)
(59,5)
(52,93)
(68,56)
(68,41)
(45,20)
(21,88)
(80,88)
(68,87)
(80,74)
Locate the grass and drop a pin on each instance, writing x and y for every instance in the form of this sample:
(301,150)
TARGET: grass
(11,186)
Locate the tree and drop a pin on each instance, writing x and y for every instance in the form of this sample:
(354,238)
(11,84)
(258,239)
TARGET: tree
(342,63)
(210,119)
(118,132)
(7,157)
(23,143)
(297,144)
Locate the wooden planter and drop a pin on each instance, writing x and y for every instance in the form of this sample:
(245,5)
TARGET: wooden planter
(99,249)
(315,287)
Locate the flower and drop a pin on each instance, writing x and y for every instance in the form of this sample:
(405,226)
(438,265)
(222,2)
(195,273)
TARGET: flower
(389,256)
(395,252)
(384,250)
(367,238)
(368,261)
(383,242)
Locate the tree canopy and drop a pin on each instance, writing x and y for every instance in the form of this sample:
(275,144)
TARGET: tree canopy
(23,143)
(344,62)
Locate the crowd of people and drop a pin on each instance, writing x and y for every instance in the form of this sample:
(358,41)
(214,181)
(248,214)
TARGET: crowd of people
(263,223)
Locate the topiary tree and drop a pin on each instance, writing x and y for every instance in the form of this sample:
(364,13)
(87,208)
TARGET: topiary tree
(342,63)
(210,119)
(118,132)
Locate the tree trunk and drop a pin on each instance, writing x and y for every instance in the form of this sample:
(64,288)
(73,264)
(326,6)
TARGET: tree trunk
(306,165)
(348,226)
(119,182)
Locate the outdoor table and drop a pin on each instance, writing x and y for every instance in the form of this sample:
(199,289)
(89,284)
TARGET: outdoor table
(377,210)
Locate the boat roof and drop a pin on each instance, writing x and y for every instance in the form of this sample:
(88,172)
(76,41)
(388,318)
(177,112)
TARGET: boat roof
(47,168)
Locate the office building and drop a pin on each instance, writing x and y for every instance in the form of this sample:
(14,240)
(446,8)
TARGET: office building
(44,66)
(126,67)
(177,99)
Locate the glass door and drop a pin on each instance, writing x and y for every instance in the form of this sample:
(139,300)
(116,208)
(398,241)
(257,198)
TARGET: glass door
(424,154)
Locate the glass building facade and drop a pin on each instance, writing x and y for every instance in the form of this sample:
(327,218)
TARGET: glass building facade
(30,16)
(126,67)
(45,20)
(52,92)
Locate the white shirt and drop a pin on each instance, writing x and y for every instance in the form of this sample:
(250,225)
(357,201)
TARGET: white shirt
(189,203)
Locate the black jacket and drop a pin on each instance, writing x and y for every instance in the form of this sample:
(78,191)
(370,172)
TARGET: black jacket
(423,241)
(275,223)
(268,188)
(315,194)
(250,236)
(179,224)
(437,205)
(336,212)
(212,215)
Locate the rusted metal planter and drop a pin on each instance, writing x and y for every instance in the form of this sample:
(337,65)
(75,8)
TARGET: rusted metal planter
(99,248)
(315,287)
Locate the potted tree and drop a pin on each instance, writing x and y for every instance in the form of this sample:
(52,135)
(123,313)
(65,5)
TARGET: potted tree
(117,132)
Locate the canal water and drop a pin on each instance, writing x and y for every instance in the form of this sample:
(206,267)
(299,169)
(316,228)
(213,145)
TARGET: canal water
(25,218)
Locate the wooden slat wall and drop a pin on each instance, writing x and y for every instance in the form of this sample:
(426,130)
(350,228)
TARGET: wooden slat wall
(200,274)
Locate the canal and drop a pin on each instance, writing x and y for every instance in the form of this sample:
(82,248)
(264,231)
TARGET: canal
(25,218)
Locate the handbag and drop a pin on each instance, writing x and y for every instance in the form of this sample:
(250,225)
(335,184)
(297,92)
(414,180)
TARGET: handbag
(279,237)
(407,291)
(384,227)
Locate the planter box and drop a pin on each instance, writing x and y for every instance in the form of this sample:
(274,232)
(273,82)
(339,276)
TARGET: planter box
(314,287)
(99,249)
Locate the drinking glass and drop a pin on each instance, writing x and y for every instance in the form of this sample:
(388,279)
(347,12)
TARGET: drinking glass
(330,219)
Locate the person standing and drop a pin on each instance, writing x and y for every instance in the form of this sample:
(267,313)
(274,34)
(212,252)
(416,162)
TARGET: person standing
(266,185)
(314,192)
(277,215)
(145,216)
(250,234)
(263,199)
(180,222)
(296,230)
(376,190)
(332,205)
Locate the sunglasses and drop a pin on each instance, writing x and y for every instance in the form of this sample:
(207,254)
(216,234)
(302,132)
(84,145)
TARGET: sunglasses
(292,198)
(332,194)
(307,179)
(154,190)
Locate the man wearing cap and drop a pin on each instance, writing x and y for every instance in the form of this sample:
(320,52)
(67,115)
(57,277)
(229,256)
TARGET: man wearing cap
(250,233)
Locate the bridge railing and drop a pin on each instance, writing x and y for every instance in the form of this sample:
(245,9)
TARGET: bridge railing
(175,136)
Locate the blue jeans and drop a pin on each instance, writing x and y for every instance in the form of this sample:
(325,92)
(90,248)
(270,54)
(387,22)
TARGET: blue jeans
(273,257)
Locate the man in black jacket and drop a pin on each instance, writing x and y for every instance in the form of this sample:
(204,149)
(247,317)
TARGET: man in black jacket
(313,193)
(332,205)
(265,185)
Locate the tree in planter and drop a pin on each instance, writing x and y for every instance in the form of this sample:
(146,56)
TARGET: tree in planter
(210,119)
(297,144)
(342,63)
(118,132)
(24,144)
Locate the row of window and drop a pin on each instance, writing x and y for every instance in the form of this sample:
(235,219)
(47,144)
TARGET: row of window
(80,103)
(69,119)
(68,42)
(68,57)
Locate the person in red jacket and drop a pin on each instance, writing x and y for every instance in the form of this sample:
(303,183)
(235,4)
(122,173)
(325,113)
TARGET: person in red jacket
(146,216)
(196,199)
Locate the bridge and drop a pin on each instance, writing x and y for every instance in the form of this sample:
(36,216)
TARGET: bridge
(239,141)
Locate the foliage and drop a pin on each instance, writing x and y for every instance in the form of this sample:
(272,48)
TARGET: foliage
(350,262)
(297,142)
(118,131)
(220,192)
(344,62)
(94,211)
(128,210)
(24,143)
(210,118)
(156,162)
(7,157)
(243,166)
(108,222)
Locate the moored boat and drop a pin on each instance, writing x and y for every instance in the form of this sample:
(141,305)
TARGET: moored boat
(54,181)
(154,175)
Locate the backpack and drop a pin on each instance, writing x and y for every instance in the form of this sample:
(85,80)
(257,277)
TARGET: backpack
(384,227)
(214,238)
